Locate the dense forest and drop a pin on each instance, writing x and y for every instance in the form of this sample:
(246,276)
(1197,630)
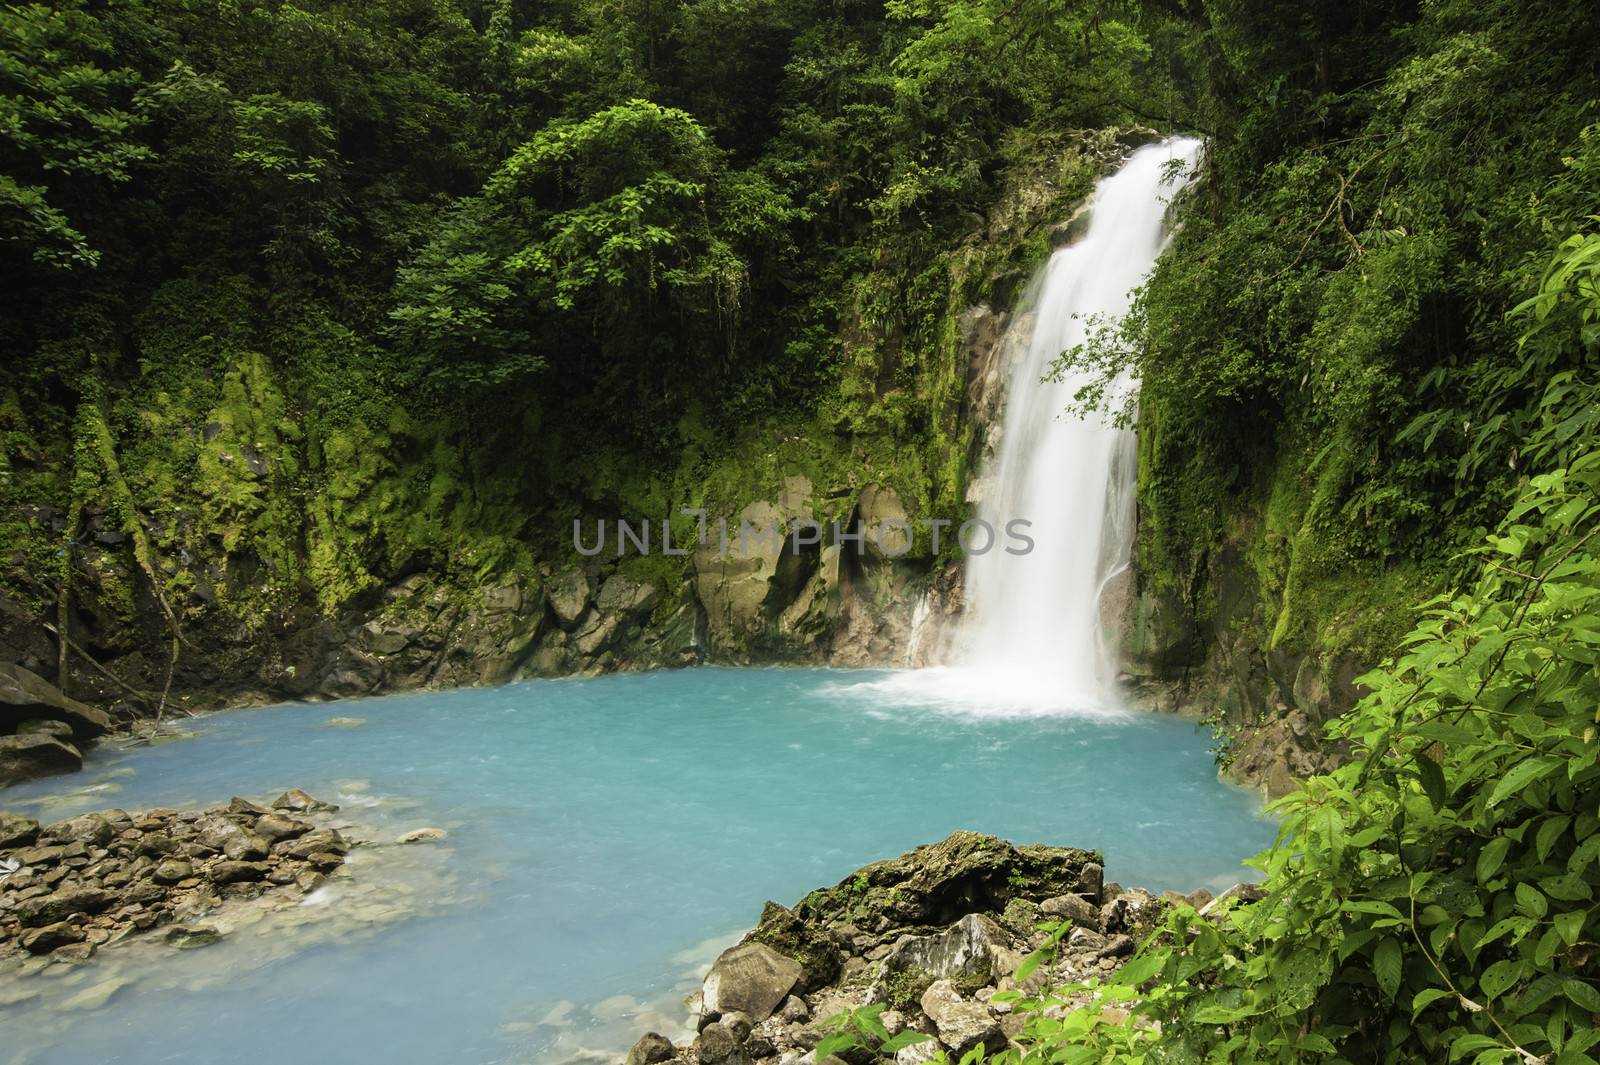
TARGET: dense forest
(307,299)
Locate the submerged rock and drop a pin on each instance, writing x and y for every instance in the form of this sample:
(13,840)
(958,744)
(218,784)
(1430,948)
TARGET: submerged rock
(188,937)
(423,835)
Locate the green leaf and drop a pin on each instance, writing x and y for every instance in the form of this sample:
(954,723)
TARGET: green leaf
(1492,857)
(1143,967)
(1530,901)
(1431,774)
(1386,962)
(1313,1043)
(1583,994)
(1521,775)
(909,1037)
(1426,997)
(1466,1044)
(1570,926)
(1499,977)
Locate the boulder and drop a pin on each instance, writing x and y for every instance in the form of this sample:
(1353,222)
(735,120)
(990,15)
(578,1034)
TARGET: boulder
(275,827)
(651,1049)
(1120,946)
(619,595)
(961,1024)
(1135,912)
(1075,908)
(44,940)
(16,830)
(942,882)
(296,801)
(747,582)
(1237,895)
(66,902)
(569,595)
(92,830)
(716,1046)
(35,754)
(738,1024)
(751,978)
(188,937)
(237,844)
(809,944)
(918,1053)
(964,952)
(237,872)
(502,599)
(26,696)
(59,729)
(322,841)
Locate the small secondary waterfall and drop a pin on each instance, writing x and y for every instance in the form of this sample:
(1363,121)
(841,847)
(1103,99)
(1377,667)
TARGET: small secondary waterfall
(1032,630)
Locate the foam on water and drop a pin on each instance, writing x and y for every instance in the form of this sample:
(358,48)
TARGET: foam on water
(606,838)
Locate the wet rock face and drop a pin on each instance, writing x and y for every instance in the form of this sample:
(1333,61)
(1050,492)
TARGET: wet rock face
(89,880)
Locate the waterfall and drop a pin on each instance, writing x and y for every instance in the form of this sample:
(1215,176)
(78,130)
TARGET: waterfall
(1032,625)
(1030,639)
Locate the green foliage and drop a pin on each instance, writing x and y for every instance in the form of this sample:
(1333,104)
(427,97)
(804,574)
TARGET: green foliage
(64,116)
(1432,900)
(862,1028)
(391,286)
(1328,387)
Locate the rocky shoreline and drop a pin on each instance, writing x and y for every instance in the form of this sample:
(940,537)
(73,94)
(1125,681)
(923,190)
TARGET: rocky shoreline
(71,887)
(931,937)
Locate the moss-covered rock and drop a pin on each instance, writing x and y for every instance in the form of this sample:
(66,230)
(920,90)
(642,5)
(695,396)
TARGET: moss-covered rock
(942,882)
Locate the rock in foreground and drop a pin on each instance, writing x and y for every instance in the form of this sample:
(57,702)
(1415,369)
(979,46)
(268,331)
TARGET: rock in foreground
(931,936)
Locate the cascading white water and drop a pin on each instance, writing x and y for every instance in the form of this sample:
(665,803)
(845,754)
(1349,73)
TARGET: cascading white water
(1032,626)
(1030,638)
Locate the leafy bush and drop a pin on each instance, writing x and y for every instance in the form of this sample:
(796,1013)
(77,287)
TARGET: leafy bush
(1435,898)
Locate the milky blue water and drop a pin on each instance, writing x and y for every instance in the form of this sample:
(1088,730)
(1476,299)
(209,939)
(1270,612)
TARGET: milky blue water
(606,837)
